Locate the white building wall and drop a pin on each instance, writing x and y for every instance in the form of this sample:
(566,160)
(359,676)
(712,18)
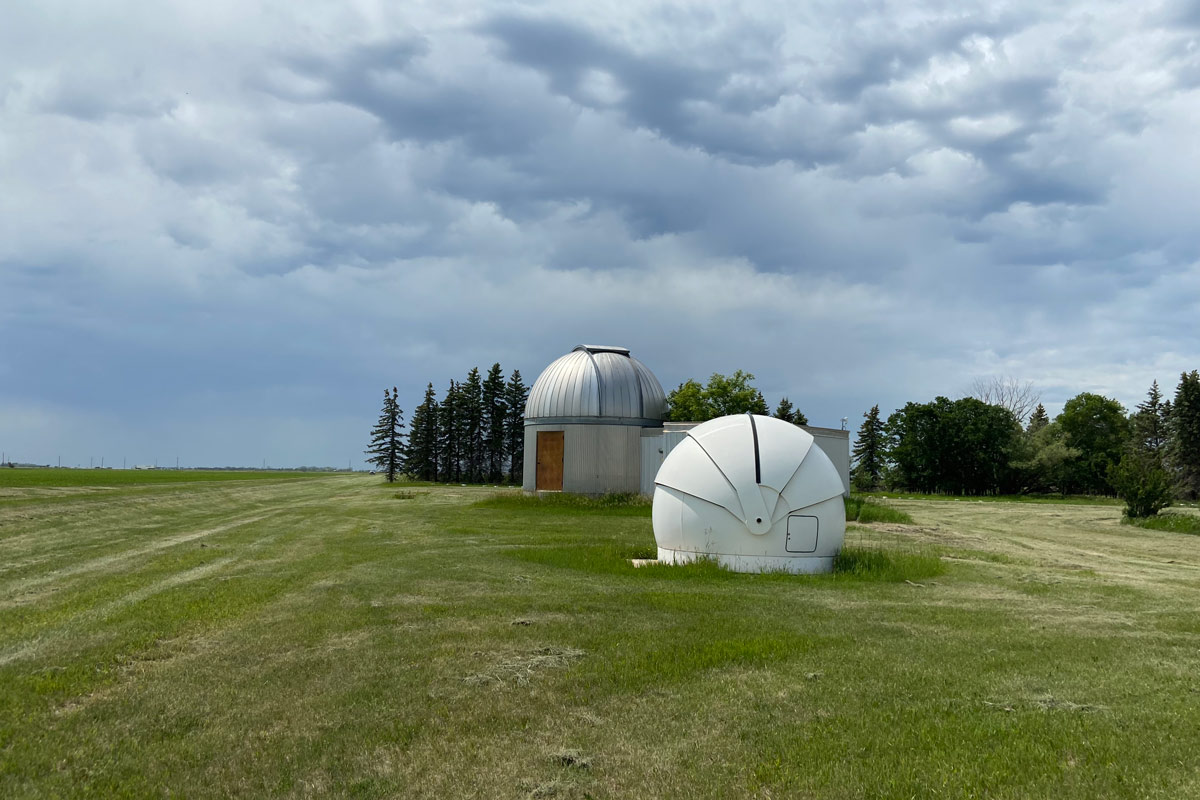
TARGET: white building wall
(833,442)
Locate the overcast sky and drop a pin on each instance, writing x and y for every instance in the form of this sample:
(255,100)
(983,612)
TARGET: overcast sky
(226,226)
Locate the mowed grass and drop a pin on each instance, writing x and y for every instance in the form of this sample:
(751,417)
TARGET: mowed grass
(53,477)
(328,637)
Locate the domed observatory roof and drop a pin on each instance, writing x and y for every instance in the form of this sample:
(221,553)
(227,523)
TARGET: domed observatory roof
(752,492)
(597,384)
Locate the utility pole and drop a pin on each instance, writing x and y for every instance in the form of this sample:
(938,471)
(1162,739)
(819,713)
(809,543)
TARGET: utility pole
(122,462)
(177,462)
(89,462)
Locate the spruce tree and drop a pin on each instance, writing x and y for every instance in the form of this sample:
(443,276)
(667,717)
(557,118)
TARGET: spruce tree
(387,437)
(449,447)
(494,413)
(1150,426)
(870,452)
(788,413)
(515,395)
(421,455)
(1184,449)
(471,415)
(1038,420)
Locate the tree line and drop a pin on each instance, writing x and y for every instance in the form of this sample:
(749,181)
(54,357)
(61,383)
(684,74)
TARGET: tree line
(474,434)
(972,447)
(692,401)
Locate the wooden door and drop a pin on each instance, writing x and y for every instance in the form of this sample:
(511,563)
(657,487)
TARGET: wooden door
(550,461)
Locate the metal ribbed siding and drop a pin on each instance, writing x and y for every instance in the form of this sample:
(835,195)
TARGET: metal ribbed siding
(597,459)
(654,400)
(834,443)
(594,382)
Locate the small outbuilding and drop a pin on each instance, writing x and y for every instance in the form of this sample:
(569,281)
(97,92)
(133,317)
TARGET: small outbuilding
(585,419)
(754,493)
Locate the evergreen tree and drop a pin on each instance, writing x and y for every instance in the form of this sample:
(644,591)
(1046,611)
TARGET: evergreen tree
(1038,420)
(759,406)
(1184,449)
(1150,426)
(387,437)
(494,414)
(788,413)
(449,436)
(471,416)
(870,452)
(515,395)
(785,411)
(421,455)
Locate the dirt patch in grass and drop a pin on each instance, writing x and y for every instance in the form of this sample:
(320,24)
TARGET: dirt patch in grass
(520,669)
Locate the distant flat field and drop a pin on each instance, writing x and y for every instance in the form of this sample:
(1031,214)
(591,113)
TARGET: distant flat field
(341,637)
(54,477)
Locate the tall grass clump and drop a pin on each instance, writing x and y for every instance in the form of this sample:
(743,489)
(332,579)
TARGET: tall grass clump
(1175,523)
(864,509)
(621,503)
(887,566)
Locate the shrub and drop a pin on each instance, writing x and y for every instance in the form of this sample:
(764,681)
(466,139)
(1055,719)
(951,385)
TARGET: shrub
(1143,485)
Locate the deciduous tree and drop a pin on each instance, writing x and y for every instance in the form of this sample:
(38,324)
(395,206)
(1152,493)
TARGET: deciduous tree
(724,394)
(1005,391)
(1096,426)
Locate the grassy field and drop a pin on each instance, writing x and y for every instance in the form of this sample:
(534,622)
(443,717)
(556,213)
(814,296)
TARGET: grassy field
(339,637)
(55,478)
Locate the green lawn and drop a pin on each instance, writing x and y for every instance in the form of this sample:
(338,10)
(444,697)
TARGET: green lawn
(338,636)
(54,477)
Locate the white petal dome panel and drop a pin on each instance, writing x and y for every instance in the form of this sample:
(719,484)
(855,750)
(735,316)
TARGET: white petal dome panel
(789,514)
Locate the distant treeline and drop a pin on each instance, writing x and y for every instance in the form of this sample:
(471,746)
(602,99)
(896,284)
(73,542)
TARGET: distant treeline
(475,434)
(972,447)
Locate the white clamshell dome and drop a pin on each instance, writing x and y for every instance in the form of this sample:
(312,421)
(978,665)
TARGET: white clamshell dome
(752,492)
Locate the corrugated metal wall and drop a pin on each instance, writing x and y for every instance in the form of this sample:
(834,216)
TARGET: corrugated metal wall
(597,459)
(834,443)
(655,446)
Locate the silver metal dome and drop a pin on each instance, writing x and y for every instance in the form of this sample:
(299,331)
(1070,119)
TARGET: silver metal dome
(597,384)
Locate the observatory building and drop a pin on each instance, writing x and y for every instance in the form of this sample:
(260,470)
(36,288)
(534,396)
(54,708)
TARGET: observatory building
(755,493)
(594,425)
(585,419)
